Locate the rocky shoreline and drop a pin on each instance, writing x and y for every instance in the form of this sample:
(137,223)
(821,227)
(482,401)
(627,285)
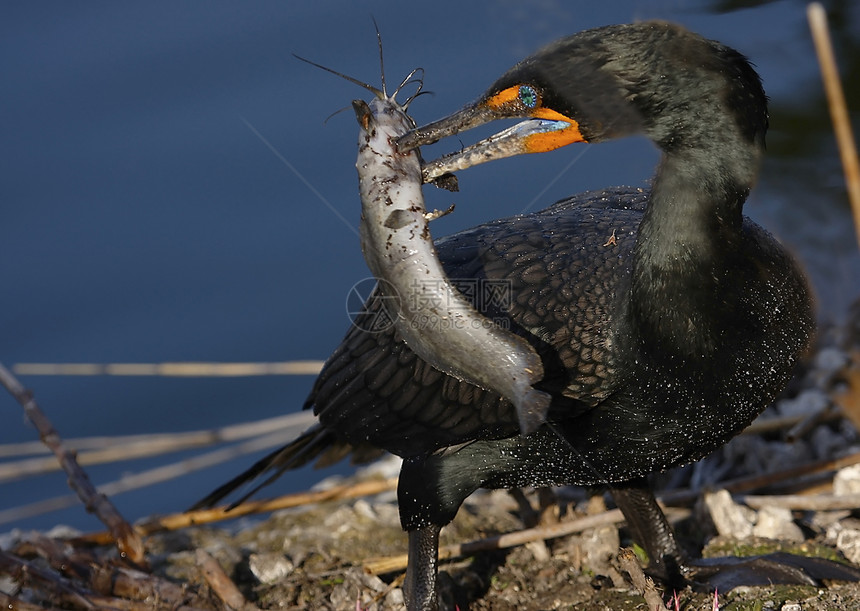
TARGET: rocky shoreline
(777,487)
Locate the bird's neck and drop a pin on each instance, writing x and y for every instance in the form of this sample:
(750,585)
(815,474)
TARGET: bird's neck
(696,204)
(689,239)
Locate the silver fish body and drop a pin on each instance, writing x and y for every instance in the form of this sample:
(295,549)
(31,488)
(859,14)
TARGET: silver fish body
(430,314)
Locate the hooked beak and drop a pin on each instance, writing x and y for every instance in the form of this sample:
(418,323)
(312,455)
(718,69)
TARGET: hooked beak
(542,130)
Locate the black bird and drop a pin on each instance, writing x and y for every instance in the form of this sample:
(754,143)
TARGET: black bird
(666,320)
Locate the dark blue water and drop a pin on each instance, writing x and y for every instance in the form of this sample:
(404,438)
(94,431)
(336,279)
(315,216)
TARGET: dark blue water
(144,221)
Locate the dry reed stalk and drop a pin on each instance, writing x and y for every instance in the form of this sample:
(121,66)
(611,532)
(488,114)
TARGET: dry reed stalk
(183,369)
(147,478)
(817,18)
(389,564)
(129,447)
(801,502)
(175,521)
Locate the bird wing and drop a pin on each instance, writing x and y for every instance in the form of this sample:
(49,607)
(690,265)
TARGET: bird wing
(551,277)
(563,268)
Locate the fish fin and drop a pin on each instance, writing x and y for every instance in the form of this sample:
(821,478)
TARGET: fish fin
(532,410)
(362,113)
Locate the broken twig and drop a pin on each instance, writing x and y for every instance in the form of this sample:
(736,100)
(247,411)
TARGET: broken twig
(221,584)
(129,543)
(799,502)
(628,561)
(176,521)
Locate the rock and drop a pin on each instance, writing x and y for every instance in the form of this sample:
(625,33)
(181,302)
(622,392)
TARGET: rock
(776,523)
(61,531)
(341,520)
(387,467)
(827,443)
(270,568)
(363,508)
(599,545)
(729,518)
(822,520)
(830,361)
(847,480)
(394,599)
(382,513)
(387,514)
(358,590)
(807,402)
(539,550)
(847,540)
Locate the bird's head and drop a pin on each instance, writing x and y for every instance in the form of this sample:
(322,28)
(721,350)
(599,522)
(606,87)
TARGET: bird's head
(657,78)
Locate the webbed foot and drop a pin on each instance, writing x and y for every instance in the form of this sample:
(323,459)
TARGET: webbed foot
(673,568)
(729,572)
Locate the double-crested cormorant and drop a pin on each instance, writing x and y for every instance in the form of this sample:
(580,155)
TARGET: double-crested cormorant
(665,319)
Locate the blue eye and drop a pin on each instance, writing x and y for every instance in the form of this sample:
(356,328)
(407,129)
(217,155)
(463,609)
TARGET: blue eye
(528,96)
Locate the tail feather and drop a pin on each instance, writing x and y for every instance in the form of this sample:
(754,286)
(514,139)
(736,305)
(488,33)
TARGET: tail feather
(316,443)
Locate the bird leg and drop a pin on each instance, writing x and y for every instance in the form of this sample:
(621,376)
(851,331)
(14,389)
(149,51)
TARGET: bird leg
(421,570)
(650,528)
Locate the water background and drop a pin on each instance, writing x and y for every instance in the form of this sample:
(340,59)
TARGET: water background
(143,220)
